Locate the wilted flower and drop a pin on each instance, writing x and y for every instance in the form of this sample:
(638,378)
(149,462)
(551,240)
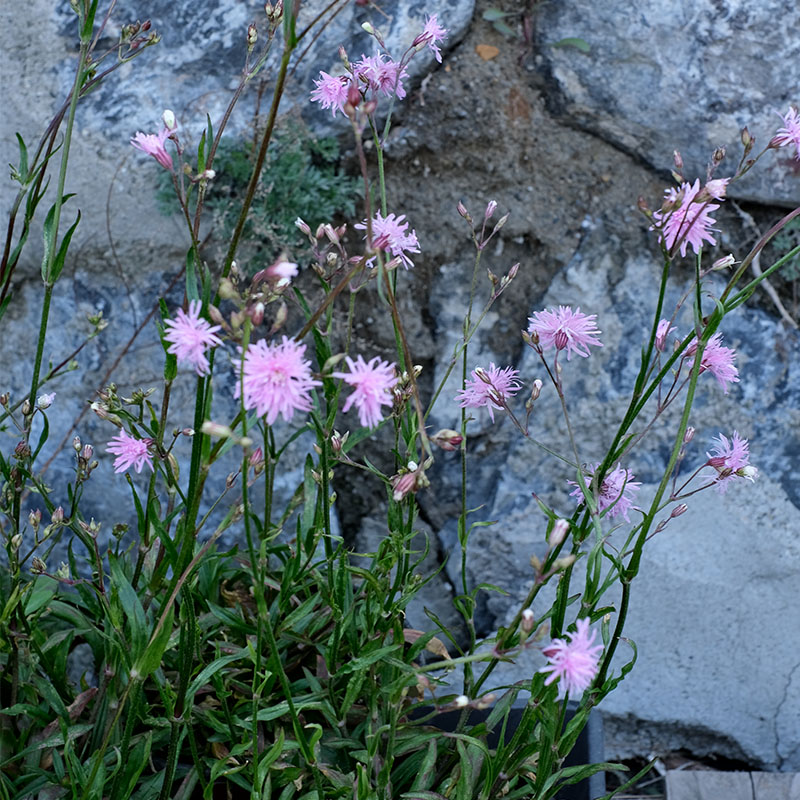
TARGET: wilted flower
(573,663)
(663,330)
(565,329)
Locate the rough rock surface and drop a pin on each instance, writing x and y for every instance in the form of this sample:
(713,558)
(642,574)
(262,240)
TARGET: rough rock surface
(684,76)
(713,609)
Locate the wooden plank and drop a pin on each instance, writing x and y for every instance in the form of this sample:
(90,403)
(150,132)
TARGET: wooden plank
(684,784)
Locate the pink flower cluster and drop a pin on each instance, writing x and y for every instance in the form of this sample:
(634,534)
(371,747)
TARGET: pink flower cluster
(617,491)
(573,663)
(565,329)
(684,220)
(489,388)
(276,379)
(730,458)
(389,234)
(717,359)
(372,382)
(191,336)
(375,75)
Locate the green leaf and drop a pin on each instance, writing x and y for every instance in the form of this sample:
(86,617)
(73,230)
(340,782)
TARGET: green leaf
(494,14)
(44,590)
(132,607)
(506,30)
(58,263)
(573,41)
(151,659)
(21,174)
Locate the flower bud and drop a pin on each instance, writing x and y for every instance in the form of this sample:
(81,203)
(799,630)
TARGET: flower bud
(44,401)
(252,36)
(34,518)
(26,408)
(462,210)
(558,533)
(490,209)
(16,541)
(302,226)
(447,439)
(681,508)
(718,155)
(168,118)
(216,429)
(462,701)
(677,159)
(38,566)
(724,262)
(87,452)
(4,398)
(528,620)
(749,471)
(58,515)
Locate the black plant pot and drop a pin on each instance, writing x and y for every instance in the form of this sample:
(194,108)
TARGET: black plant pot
(589,748)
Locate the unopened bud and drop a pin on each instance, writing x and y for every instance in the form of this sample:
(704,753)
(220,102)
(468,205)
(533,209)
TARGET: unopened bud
(750,472)
(724,262)
(58,515)
(16,541)
(168,118)
(490,208)
(87,452)
(353,95)
(4,398)
(558,533)
(747,139)
(44,401)
(462,701)
(462,209)
(689,435)
(447,439)
(26,408)
(230,481)
(718,155)
(216,429)
(528,620)
(38,566)
(34,518)
(502,221)
(536,390)
(302,226)
(485,701)
(677,159)
(563,563)
(338,441)
(681,508)
(252,36)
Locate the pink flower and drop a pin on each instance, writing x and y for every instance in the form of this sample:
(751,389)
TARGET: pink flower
(789,134)
(381,75)
(685,221)
(372,382)
(153,145)
(663,330)
(389,234)
(718,188)
(489,388)
(717,359)
(130,452)
(565,329)
(276,379)
(617,492)
(331,92)
(191,336)
(731,461)
(431,35)
(573,663)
